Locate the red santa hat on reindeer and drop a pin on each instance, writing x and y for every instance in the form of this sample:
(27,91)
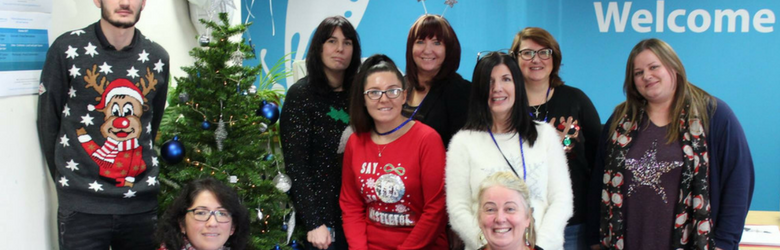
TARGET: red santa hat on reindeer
(115,88)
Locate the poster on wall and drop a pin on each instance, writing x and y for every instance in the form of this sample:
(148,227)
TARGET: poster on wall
(24,41)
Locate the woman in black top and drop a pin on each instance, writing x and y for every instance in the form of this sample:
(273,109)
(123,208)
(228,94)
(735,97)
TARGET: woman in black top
(566,108)
(312,121)
(438,96)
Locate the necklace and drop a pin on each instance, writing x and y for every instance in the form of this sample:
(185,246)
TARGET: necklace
(536,112)
(522,154)
(405,122)
(381,150)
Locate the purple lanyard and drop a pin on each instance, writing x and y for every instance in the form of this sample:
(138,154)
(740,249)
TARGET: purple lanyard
(405,122)
(522,154)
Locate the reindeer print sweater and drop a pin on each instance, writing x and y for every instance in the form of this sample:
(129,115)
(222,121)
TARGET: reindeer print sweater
(98,114)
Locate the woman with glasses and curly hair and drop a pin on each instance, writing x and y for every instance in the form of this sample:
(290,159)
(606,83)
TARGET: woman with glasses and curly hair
(499,136)
(567,109)
(207,215)
(392,192)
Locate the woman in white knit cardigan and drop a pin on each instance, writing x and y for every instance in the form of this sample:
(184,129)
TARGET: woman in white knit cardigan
(498,124)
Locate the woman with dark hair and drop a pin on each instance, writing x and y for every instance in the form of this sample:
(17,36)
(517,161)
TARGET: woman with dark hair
(438,95)
(673,168)
(568,109)
(313,117)
(500,136)
(392,195)
(207,215)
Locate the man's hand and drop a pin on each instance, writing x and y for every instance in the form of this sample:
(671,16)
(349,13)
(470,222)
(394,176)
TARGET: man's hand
(320,237)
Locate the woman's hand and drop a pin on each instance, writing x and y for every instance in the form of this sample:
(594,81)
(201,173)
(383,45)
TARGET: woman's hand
(320,237)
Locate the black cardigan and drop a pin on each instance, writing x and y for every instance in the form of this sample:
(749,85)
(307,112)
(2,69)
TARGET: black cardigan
(445,107)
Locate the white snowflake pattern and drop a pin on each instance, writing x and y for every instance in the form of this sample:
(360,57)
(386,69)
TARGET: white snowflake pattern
(72,92)
(151,181)
(66,110)
(91,50)
(71,52)
(74,72)
(105,68)
(401,208)
(130,194)
(159,66)
(64,141)
(370,183)
(77,32)
(149,128)
(155,162)
(132,72)
(96,186)
(151,144)
(63,181)
(87,120)
(72,165)
(143,56)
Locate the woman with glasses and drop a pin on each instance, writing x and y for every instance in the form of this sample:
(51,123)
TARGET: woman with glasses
(567,108)
(206,215)
(673,169)
(438,95)
(499,136)
(313,118)
(392,195)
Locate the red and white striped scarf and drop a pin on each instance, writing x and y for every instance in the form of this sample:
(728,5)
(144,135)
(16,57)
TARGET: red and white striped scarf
(111,148)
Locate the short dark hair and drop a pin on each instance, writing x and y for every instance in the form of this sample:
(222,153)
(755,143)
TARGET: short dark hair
(428,26)
(360,120)
(545,39)
(480,117)
(314,64)
(169,229)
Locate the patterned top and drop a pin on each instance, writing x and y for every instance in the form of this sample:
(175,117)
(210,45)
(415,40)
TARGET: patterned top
(311,125)
(98,114)
(395,201)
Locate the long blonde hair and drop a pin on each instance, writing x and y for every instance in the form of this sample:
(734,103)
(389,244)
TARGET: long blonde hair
(687,97)
(510,181)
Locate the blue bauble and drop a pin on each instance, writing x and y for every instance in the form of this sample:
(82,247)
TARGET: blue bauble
(270,111)
(276,248)
(295,246)
(172,151)
(284,227)
(268,157)
(206,125)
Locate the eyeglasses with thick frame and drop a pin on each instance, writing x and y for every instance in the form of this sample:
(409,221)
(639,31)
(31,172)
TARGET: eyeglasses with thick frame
(221,215)
(483,54)
(529,54)
(375,94)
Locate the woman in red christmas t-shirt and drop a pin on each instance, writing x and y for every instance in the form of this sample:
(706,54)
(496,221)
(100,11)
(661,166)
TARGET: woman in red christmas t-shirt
(392,193)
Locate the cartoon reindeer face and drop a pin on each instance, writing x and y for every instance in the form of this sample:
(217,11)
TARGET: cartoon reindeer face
(122,118)
(122,104)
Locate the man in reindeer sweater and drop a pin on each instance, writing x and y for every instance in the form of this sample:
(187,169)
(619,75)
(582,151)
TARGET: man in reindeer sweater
(101,98)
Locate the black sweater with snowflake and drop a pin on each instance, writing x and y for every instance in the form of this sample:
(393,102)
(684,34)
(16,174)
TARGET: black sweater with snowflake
(98,114)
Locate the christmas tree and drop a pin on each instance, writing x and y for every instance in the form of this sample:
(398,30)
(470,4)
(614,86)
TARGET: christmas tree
(219,124)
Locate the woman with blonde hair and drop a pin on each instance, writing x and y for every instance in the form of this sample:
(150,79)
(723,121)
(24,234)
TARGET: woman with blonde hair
(505,213)
(673,167)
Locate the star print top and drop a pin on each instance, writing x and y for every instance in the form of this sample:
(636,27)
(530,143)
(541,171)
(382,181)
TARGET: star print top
(395,201)
(98,114)
(651,188)
(311,125)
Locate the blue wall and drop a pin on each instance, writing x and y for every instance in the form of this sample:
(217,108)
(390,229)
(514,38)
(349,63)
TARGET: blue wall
(739,67)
